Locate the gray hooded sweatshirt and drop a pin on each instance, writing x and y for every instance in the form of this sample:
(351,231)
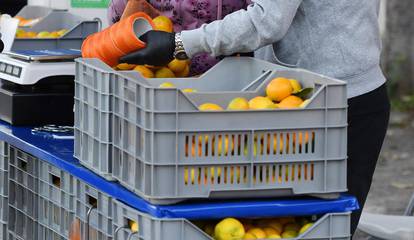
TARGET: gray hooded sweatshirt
(336,38)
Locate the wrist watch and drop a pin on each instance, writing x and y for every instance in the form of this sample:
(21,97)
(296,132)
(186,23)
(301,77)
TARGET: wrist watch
(179,52)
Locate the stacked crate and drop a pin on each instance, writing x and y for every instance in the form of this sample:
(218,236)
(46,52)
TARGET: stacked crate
(23,195)
(56,204)
(155,142)
(4,183)
(94,212)
(41,199)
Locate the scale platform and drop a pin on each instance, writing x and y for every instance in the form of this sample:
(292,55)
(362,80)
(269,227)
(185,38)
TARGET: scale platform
(36,90)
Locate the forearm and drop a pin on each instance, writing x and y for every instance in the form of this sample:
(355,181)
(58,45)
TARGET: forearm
(263,23)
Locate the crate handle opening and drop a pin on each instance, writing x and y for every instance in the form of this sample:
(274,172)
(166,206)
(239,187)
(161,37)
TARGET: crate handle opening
(92,201)
(55,180)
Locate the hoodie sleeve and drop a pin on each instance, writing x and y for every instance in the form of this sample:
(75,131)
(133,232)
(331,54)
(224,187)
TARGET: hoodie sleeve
(262,23)
(115,10)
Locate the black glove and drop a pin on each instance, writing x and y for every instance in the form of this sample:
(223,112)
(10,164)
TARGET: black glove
(159,49)
(1,44)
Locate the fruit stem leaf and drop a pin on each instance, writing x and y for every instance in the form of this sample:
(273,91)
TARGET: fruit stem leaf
(304,93)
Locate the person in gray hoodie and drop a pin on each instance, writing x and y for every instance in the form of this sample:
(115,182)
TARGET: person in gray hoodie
(336,38)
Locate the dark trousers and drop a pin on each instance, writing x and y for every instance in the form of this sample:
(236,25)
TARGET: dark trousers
(368,117)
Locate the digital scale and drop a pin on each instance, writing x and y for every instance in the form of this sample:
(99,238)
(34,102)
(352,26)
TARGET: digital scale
(37,86)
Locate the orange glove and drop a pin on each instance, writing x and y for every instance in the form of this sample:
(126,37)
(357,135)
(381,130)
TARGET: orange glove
(134,6)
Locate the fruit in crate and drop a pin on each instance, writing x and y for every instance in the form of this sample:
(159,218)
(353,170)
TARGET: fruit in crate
(261,103)
(21,33)
(44,34)
(184,73)
(258,233)
(210,107)
(175,69)
(145,72)
(229,229)
(279,89)
(177,65)
(290,102)
(305,228)
(164,73)
(289,234)
(238,104)
(268,228)
(295,85)
(125,66)
(133,226)
(281,93)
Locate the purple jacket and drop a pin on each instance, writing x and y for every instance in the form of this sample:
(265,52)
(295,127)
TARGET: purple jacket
(187,15)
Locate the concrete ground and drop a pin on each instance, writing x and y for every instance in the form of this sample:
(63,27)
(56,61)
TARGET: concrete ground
(393,182)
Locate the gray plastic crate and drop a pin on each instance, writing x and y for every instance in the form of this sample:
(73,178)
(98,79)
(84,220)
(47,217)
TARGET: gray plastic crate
(33,12)
(332,226)
(166,150)
(23,182)
(56,201)
(78,29)
(23,198)
(93,121)
(4,183)
(89,199)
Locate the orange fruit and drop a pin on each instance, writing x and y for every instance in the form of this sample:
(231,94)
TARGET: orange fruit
(258,233)
(54,35)
(270,231)
(164,73)
(145,72)
(210,107)
(261,103)
(177,65)
(249,236)
(276,224)
(229,228)
(279,89)
(295,85)
(31,34)
(290,102)
(238,104)
(163,23)
(125,66)
(184,73)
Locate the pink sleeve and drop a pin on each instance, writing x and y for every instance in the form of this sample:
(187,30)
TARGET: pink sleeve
(115,10)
